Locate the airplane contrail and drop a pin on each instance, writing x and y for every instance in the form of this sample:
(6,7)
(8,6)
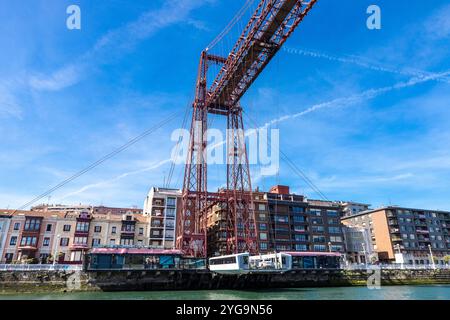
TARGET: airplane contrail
(338,102)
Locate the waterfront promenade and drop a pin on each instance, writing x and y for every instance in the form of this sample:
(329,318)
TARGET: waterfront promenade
(70,279)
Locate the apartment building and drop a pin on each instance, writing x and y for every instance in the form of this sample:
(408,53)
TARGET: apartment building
(30,236)
(37,236)
(161,206)
(350,208)
(301,224)
(5,220)
(405,235)
(217,222)
(358,245)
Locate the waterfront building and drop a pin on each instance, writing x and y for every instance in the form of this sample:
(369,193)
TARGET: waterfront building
(358,245)
(161,205)
(114,210)
(30,236)
(217,222)
(350,208)
(405,235)
(37,236)
(86,208)
(5,220)
(301,224)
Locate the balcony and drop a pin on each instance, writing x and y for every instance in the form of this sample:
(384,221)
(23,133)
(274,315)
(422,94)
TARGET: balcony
(393,222)
(79,246)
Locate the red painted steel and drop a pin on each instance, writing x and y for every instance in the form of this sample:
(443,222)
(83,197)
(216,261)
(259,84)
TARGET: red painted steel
(269,27)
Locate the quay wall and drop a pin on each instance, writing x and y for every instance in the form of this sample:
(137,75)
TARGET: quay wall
(139,280)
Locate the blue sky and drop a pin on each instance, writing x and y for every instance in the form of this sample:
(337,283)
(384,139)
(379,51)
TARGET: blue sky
(375,130)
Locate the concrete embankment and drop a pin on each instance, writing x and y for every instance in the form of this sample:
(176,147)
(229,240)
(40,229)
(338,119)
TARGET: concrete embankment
(62,281)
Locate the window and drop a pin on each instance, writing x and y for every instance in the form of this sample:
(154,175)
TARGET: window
(98,229)
(13,241)
(298,209)
(332,213)
(170,212)
(32,224)
(80,240)
(301,247)
(333,221)
(316,220)
(261,207)
(112,241)
(126,242)
(169,224)
(28,241)
(95,242)
(337,248)
(300,228)
(335,238)
(140,242)
(64,242)
(9,257)
(128,227)
(263,226)
(318,238)
(319,247)
(171,202)
(66,227)
(263,245)
(262,216)
(263,236)
(141,231)
(299,219)
(315,212)
(113,230)
(17,226)
(317,229)
(46,242)
(48,228)
(282,219)
(334,230)
(300,237)
(169,234)
(82,226)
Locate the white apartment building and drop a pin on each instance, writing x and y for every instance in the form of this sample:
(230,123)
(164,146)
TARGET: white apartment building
(161,206)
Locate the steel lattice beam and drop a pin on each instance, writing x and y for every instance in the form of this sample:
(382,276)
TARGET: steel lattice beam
(269,27)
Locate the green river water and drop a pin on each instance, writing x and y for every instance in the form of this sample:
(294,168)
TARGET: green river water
(435,292)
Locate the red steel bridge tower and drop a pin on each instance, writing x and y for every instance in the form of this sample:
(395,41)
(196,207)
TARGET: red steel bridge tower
(268,29)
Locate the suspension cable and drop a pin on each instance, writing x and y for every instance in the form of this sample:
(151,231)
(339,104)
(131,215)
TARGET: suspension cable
(101,160)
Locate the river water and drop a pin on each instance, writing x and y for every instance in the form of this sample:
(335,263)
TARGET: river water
(435,292)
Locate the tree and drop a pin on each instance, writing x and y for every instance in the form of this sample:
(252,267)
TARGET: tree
(447,259)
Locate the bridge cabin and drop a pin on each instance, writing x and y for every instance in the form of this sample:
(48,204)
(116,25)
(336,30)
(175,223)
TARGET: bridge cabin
(284,261)
(234,263)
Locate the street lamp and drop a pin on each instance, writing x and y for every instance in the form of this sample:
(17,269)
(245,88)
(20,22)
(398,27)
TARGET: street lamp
(56,249)
(432,258)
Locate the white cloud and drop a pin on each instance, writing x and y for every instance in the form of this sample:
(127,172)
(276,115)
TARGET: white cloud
(109,182)
(438,25)
(366,95)
(9,107)
(116,42)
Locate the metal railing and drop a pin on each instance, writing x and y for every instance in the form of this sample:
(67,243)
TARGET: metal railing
(396,266)
(40,267)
